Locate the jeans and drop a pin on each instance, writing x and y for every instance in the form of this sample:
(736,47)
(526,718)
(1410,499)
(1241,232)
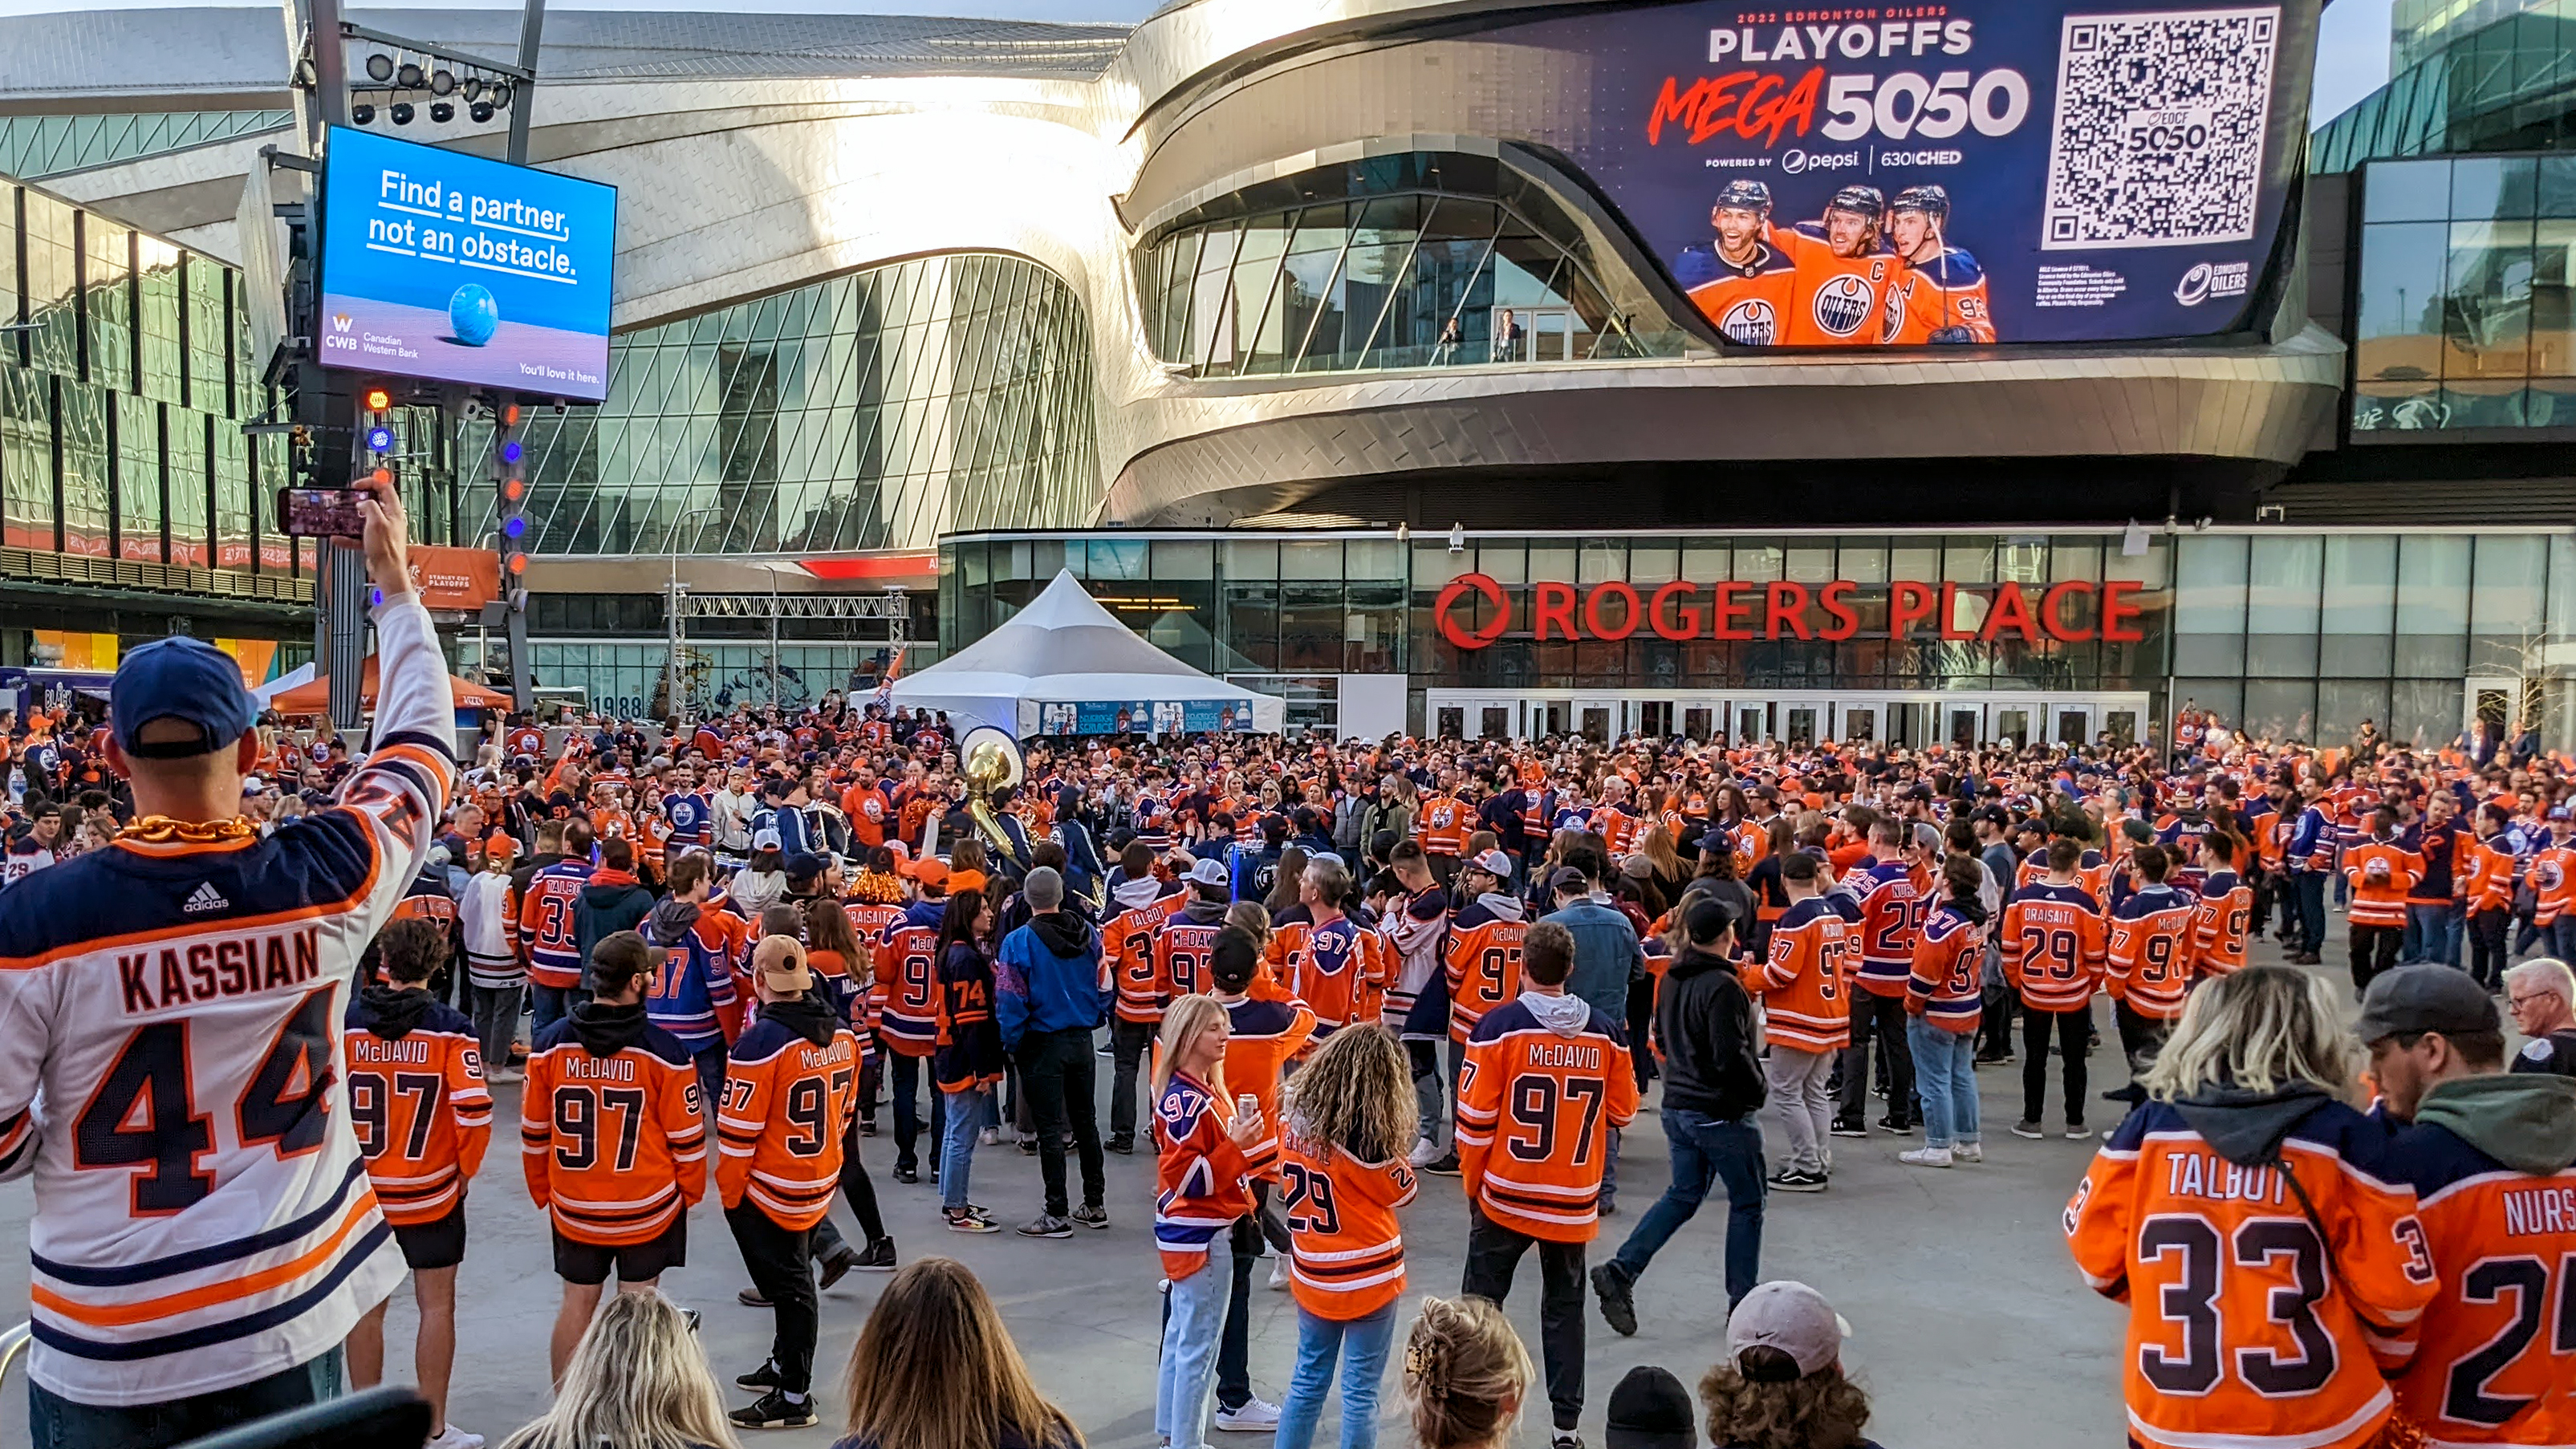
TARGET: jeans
(1234,1345)
(710,1061)
(2374,949)
(496,1023)
(553,1004)
(1883,1018)
(54,1422)
(2562,938)
(1128,1043)
(2308,889)
(1945,1071)
(1359,1345)
(2486,946)
(2071,1030)
(1706,1149)
(906,1085)
(1056,1081)
(781,1261)
(1800,1099)
(965,1118)
(1195,1310)
(1493,1252)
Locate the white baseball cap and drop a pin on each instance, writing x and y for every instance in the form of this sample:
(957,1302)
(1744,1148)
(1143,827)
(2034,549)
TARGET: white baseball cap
(1493,863)
(765,839)
(1210,872)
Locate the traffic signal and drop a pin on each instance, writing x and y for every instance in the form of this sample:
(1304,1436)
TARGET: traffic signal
(510,469)
(376,432)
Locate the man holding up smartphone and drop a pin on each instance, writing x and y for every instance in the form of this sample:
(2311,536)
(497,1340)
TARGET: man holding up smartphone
(205,1217)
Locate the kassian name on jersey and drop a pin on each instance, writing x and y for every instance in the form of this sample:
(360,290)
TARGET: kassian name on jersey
(207,970)
(1578,1055)
(2207,1175)
(2542,1210)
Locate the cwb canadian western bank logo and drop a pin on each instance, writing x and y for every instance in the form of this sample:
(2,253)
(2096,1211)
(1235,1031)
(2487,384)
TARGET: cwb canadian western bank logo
(2071,611)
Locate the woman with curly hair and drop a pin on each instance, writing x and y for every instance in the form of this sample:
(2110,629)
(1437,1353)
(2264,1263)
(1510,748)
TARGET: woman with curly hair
(1781,1385)
(1466,1374)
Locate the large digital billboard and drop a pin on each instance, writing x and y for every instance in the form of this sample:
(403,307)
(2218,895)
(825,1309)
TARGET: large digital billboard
(440,265)
(1977,171)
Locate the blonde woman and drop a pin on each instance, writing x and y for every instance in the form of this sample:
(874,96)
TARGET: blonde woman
(1348,1118)
(2243,1216)
(935,1369)
(1465,1375)
(1206,1153)
(636,1380)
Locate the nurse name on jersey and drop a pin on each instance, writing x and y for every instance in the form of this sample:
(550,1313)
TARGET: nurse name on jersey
(2541,1210)
(2208,1175)
(207,970)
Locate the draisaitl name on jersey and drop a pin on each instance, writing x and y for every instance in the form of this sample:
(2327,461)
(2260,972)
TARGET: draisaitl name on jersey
(1578,1055)
(210,970)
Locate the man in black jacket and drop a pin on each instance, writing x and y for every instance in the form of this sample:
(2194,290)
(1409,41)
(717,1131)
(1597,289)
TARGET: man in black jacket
(1712,1088)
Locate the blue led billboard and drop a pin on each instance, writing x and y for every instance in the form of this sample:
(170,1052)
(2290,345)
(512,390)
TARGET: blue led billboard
(449,267)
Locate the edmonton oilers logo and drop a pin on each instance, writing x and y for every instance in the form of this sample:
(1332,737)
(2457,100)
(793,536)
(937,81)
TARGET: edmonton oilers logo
(1892,315)
(1842,305)
(1750,322)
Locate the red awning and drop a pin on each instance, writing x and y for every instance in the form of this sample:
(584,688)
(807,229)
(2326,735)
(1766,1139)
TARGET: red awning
(315,697)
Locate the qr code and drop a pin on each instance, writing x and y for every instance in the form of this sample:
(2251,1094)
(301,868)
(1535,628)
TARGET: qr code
(2159,128)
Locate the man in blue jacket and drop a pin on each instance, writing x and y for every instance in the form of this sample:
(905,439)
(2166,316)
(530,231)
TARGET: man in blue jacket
(1050,999)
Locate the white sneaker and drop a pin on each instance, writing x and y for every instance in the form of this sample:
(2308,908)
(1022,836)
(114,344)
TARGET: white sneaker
(1279,1273)
(1425,1152)
(1256,1413)
(452,1437)
(990,1136)
(1969,1152)
(502,1078)
(1925,1157)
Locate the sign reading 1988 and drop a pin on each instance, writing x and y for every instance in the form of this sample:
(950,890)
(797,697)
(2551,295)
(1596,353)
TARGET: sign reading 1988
(445,266)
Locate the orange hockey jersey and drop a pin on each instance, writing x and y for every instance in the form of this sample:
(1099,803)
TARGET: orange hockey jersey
(1804,980)
(2054,946)
(2381,872)
(2247,1326)
(1537,1097)
(1342,971)
(787,1103)
(1483,960)
(1346,1253)
(2220,920)
(418,1102)
(907,983)
(612,1141)
(2487,1363)
(2149,964)
(1127,955)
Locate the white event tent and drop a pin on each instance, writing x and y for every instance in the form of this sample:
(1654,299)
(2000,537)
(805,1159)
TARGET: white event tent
(1065,650)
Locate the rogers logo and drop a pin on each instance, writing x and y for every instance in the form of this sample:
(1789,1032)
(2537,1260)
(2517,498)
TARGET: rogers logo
(1444,611)
(1794,161)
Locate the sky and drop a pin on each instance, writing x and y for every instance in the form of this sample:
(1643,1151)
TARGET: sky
(2352,45)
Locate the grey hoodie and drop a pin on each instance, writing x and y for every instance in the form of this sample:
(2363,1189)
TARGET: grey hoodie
(2524,1120)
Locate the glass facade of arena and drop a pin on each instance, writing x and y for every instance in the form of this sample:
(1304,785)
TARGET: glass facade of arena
(131,500)
(870,411)
(2287,634)
(2465,316)
(2470,75)
(1426,259)
(36,147)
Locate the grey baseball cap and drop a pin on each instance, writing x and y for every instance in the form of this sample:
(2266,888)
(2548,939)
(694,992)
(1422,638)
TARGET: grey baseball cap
(2413,999)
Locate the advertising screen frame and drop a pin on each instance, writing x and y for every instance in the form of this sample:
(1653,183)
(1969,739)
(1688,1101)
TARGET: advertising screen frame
(475,170)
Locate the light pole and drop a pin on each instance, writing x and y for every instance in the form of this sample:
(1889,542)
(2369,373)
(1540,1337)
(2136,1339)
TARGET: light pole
(673,621)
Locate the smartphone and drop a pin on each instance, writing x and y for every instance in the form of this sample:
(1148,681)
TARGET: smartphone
(320,512)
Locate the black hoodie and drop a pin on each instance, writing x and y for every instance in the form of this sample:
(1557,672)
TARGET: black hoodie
(1704,1022)
(391,1013)
(805,1016)
(605,1030)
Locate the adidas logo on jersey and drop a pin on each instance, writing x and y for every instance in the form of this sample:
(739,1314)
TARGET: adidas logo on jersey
(204,898)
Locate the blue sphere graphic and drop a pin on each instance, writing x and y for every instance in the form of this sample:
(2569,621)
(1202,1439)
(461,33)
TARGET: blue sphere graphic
(474,314)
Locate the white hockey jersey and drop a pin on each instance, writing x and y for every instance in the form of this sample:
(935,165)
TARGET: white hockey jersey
(170,1034)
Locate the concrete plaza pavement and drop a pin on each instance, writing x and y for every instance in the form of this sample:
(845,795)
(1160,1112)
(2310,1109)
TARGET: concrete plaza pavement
(1969,1321)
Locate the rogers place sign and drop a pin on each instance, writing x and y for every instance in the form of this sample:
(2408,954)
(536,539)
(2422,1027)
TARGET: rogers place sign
(1742,610)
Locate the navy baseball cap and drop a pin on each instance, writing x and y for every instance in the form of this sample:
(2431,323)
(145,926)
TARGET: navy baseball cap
(183,679)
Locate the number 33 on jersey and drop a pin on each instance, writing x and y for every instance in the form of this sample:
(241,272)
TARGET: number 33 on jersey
(2247,1326)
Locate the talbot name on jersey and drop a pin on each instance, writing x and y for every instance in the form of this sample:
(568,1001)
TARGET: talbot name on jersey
(2208,1175)
(366,1048)
(209,970)
(2540,1210)
(1582,1056)
(582,1067)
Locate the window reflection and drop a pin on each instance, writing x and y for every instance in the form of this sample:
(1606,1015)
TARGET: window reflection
(1419,260)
